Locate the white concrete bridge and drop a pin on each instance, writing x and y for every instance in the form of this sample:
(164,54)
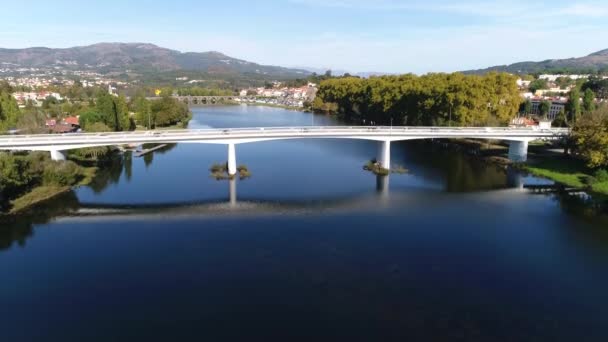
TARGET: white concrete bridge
(58,144)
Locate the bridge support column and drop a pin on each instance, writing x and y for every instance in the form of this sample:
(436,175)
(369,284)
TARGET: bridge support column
(518,151)
(231,160)
(384,154)
(58,155)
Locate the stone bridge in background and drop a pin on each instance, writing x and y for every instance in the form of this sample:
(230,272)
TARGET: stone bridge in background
(205,100)
(58,144)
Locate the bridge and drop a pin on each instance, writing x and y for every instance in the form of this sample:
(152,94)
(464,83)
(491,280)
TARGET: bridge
(203,100)
(58,144)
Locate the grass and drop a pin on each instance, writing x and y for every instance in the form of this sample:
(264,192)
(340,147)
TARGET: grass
(37,195)
(220,172)
(376,168)
(568,171)
(600,188)
(44,193)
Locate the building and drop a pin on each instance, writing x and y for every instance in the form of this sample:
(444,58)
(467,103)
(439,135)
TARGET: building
(557,105)
(553,78)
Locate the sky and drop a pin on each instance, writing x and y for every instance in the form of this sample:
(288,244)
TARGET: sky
(355,35)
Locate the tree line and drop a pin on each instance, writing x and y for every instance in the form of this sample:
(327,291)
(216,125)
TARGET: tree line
(98,111)
(432,99)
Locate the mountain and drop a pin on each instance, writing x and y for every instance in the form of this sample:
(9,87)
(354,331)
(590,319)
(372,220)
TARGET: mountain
(139,57)
(592,63)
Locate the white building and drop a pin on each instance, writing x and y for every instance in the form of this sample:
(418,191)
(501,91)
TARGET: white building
(557,105)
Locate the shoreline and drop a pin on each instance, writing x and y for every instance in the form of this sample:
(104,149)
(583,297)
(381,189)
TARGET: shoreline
(560,168)
(43,193)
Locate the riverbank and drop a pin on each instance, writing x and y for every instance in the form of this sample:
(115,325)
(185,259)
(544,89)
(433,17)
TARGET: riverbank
(43,193)
(271,105)
(543,161)
(565,170)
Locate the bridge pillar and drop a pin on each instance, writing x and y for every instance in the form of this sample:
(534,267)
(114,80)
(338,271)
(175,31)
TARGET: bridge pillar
(231,160)
(384,154)
(58,155)
(232,192)
(518,151)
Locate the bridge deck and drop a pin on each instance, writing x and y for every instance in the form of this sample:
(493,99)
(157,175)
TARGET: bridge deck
(241,135)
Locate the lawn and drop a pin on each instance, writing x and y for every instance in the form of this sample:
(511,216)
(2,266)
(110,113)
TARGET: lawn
(565,170)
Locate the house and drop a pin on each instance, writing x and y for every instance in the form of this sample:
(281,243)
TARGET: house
(63,128)
(72,120)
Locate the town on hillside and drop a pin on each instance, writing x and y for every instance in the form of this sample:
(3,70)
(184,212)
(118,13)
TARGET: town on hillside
(544,98)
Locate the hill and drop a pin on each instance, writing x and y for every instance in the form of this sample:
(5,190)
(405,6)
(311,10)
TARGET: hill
(593,63)
(140,57)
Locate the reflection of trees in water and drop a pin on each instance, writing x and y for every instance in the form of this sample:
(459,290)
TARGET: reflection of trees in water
(17,229)
(128,160)
(462,173)
(149,158)
(594,209)
(593,212)
(108,173)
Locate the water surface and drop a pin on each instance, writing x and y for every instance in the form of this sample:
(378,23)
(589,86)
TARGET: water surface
(310,247)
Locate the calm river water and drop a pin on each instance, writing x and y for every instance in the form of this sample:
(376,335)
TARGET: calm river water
(311,247)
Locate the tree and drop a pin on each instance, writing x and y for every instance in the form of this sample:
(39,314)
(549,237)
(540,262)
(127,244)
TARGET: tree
(573,106)
(564,82)
(538,84)
(598,85)
(168,111)
(32,121)
(432,99)
(543,108)
(591,137)
(15,174)
(588,101)
(9,112)
(560,120)
(527,106)
(143,111)
(112,111)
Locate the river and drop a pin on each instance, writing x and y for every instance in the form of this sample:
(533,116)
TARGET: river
(311,247)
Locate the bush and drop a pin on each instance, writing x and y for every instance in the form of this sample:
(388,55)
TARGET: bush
(98,127)
(601,175)
(65,173)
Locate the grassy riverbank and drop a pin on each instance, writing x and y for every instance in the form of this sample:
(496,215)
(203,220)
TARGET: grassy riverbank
(543,161)
(271,105)
(43,193)
(566,170)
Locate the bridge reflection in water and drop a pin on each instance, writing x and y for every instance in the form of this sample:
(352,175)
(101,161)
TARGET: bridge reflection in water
(68,208)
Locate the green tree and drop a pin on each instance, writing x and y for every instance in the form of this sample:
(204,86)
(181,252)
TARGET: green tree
(168,111)
(588,101)
(538,84)
(573,106)
(9,112)
(560,120)
(543,108)
(15,174)
(143,111)
(591,137)
(432,99)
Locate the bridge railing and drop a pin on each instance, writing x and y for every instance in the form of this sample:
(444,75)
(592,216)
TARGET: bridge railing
(287,130)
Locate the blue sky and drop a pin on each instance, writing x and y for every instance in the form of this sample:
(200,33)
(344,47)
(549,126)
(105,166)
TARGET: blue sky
(355,35)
